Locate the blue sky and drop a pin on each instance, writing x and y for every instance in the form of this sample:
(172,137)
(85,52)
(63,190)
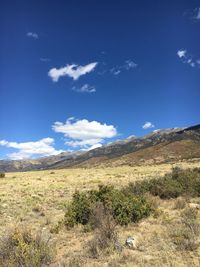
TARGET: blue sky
(76,74)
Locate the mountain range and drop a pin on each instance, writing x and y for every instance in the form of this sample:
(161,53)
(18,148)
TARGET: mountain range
(160,146)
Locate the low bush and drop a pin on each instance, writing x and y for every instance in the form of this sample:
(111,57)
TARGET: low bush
(125,208)
(19,247)
(172,185)
(2,175)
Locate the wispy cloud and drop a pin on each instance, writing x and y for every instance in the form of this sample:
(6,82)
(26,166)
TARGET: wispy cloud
(86,88)
(148,125)
(193,14)
(27,150)
(129,64)
(188,59)
(83,133)
(115,71)
(73,71)
(197,13)
(45,59)
(33,35)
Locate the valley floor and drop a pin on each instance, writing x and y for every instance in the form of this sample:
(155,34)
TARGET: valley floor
(39,199)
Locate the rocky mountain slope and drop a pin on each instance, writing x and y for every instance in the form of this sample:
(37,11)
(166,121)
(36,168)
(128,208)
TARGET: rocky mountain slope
(157,147)
(36,164)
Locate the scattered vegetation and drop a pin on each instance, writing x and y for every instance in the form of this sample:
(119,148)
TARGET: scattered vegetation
(125,208)
(19,247)
(185,234)
(2,174)
(177,183)
(169,237)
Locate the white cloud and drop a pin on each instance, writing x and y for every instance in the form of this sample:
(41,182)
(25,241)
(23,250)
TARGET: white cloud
(43,147)
(33,35)
(95,146)
(73,71)
(84,133)
(131,136)
(3,143)
(181,53)
(86,88)
(82,143)
(148,125)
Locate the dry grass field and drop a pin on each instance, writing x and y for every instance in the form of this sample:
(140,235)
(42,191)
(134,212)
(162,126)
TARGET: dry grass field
(38,200)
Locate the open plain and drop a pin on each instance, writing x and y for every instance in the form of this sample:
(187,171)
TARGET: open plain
(38,200)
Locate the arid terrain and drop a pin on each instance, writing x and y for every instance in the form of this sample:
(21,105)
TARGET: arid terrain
(38,200)
(100,133)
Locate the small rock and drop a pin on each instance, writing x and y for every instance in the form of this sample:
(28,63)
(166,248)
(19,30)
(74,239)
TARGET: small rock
(131,243)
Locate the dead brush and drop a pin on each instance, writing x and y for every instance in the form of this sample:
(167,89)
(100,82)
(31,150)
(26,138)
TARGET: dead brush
(105,239)
(19,247)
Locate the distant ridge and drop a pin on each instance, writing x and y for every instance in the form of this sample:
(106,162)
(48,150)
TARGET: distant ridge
(165,145)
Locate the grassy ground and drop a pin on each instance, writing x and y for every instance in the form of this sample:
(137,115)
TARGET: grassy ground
(39,199)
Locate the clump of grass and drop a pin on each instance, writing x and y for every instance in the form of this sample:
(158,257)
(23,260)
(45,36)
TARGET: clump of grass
(180,203)
(185,235)
(19,247)
(177,183)
(124,208)
(55,229)
(2,174)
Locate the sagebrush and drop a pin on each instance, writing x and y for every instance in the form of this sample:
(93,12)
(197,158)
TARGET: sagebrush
(172,185)
(20,247)
(125,208)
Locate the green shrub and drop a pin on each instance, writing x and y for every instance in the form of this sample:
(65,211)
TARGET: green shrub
(172,185)
(166,188)
(80,209)
(125,208)
(20,248)
(2,175)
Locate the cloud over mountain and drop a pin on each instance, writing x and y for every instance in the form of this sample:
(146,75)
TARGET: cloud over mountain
(148,125)
(26,150)
(84,133)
